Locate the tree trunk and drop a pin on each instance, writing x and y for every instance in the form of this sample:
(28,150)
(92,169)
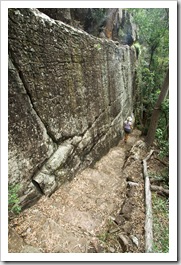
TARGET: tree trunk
(156,112)
(153,49)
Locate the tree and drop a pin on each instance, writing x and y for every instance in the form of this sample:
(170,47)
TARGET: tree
(152,62)
(156,111)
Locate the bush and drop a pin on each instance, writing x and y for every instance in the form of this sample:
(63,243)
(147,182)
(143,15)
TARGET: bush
(163,144)
(160,224)
(13,200)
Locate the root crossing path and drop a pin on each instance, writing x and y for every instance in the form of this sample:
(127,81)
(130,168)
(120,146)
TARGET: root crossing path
(101,210)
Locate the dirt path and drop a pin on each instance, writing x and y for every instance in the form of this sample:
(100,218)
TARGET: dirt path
(101,210)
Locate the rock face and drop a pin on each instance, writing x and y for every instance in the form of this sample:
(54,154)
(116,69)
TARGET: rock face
(112,23)
(69,94)
(126,30)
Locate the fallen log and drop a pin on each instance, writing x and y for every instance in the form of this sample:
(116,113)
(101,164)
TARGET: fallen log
(148,206)
(160,189)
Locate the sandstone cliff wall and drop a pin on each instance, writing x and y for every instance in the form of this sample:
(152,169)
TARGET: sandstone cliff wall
(69,93)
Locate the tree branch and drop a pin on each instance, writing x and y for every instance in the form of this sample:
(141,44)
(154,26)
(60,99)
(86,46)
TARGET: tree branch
(160,189)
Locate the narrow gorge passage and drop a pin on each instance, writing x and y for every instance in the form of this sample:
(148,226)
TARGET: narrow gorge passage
(75,75)
(95,203)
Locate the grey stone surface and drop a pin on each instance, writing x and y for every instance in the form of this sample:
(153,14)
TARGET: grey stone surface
(69,93)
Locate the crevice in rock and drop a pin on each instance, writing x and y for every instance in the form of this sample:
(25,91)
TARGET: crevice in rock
(30,98)
(37,186)
(21,76)
(64,138)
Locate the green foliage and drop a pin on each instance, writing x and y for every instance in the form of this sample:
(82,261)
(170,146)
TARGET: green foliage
(103,237)
(13,200)
(153,62)
(165,106)
(160,224)
(162,132)
(163,177)
(98,46)
(137,47)
(120,33)
(153,24)
(97,15)
(163,144)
